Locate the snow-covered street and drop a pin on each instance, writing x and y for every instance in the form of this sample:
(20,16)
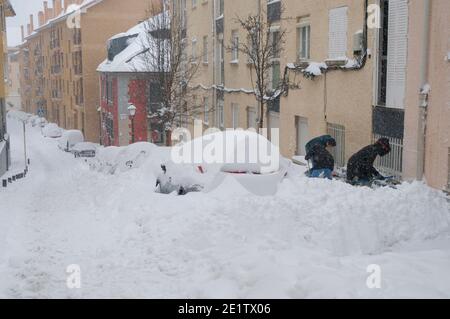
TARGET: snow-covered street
(313,239)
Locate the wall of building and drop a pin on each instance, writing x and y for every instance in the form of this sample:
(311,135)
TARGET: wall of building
(6,10)
(437,134)
(13,99)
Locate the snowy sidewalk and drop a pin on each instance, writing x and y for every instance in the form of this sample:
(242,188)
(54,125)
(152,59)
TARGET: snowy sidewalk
(313,239)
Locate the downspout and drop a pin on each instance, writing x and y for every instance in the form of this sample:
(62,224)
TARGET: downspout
(423,97)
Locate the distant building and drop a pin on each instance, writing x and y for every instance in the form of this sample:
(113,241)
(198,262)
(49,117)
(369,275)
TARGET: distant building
(60,56)
(127,78)
(6,10)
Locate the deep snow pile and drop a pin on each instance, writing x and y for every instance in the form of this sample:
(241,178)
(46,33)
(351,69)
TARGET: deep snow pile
(314,238)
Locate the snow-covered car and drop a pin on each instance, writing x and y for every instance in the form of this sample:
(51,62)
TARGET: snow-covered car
(245,156)
(85,149)
(176,182)
(42,122)
(52,130)
(69,139)
(141,155)
(35,120)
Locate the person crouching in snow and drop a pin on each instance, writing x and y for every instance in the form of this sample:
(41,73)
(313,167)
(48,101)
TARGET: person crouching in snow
(360,170)
(318,151)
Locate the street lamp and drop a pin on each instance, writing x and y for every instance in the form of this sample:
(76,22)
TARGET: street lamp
(132,111)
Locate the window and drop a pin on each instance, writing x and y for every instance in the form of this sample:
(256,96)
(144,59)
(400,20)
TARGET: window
(205,49)
(235,46)
(183,14)
(194,4)
(251,118)
(206,110)
(275,70)
(220,8)
(273,10)
(337,34)
(220,62)
(304,39)
(220,114)
(275,42)
(275,75)
(194,50)
(235,115)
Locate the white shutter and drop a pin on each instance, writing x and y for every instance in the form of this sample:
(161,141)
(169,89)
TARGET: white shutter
(397,53)
(337,33)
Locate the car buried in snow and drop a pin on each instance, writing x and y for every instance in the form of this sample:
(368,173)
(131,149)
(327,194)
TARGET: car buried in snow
(260,176)
(52,130)
(85,150)
(69,139)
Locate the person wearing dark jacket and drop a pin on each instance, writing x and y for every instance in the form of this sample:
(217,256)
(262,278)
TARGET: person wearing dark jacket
(360,168)
(324,140)
(322,160)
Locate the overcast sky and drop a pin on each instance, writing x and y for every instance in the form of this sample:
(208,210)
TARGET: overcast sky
(23,9)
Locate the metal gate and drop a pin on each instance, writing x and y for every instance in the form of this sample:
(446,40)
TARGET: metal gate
(338,133)
(391,164)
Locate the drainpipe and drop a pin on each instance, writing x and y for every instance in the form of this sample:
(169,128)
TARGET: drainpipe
(423,98)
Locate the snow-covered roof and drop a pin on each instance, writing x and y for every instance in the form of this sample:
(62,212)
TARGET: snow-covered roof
(141,51)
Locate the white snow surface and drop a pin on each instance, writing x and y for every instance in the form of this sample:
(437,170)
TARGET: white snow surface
(312,239)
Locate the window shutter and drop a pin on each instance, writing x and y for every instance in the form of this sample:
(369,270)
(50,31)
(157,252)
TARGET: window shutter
(337,34)
(397,53)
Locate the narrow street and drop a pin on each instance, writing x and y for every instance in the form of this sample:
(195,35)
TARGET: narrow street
(131,242)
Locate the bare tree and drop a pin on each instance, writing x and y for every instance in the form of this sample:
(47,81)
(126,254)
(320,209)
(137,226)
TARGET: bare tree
(168,67)
(263,48)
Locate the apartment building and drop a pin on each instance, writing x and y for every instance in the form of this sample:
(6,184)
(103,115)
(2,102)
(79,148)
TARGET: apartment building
(13,80)
(359,65)
(62,53)
(129,78)
(6,10)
